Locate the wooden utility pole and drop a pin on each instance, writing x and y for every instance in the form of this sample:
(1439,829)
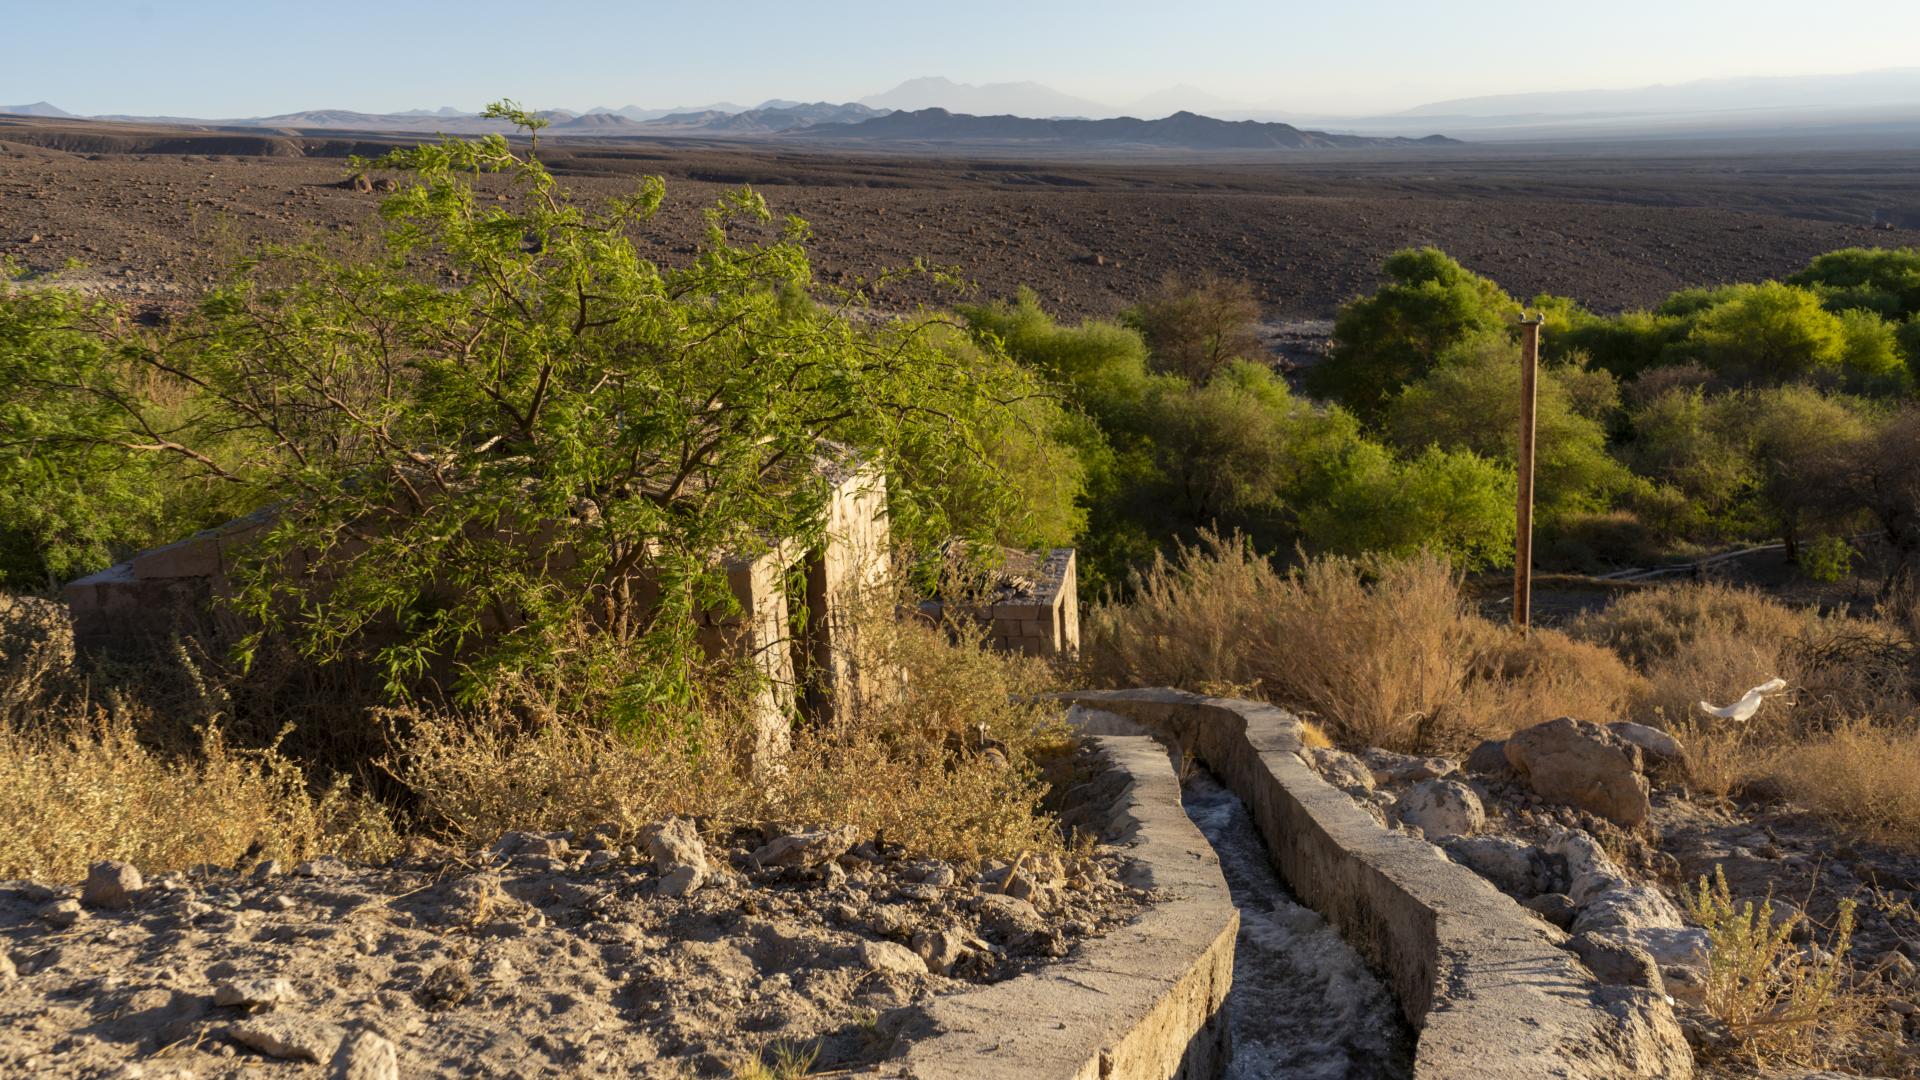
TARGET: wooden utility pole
(1523,510)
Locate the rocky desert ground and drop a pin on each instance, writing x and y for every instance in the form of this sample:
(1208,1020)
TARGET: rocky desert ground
(153,215)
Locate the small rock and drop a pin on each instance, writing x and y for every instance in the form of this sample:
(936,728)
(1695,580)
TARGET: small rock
(1557,908)
(807,848)
(598,859)
(288,1038)
(674,842)
(1009,918)
(1652,742)
(8,972)
(364,1055)
(888,958)
(1515,868)
(681,880)
(1391,770)
(268,869)
(62,914)
(1490,759)
(111,885)
(323,867)
(1340,768)
(1441,808)
(939,949)
(253,993)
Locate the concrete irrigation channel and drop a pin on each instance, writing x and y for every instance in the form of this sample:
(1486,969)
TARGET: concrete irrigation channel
(1292,936)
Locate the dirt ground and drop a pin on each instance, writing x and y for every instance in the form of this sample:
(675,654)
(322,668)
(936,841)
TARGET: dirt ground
(547,955)
(1614,227)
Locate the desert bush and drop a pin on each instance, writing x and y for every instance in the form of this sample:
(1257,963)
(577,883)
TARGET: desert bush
(1370,647)
(1651,625)
(80,786)
(945,765)
(1785,1005)
(1357,499)
(1885,281)
(1470,403)
(1195,329)
(1862,776)
(630,426)
(1516,682)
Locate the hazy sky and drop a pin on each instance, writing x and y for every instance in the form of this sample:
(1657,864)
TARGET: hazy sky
(215,58)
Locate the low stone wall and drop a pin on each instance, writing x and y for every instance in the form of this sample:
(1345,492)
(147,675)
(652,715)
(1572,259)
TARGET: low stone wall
(1484,982)
(1142,1003)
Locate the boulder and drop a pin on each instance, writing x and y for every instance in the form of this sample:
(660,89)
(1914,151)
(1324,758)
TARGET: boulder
(1339,768)
(1616,963)
(1653,742)
(1441,808)
(111,885)
(1515,868)
(1582,764)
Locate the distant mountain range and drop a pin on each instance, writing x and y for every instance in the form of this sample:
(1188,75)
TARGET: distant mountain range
(1887,100)
(1181,131)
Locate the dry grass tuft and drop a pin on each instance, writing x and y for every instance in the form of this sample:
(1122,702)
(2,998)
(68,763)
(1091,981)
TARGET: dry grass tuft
(82,789)
(1381,652)
(1862,776)
(943,766)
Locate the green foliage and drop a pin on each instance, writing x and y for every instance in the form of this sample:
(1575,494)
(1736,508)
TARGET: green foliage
(1195,330)
(76,489)
(1453,503)
(1430,306)
(1885,281)
(1472,403)
(1827,558)
(510,444)
(1679,444)
(1770,331)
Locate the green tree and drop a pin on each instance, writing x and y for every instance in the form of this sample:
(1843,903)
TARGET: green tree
(1772,332)
(1885,281)
(1429,306)
(77,490)
(1194,330)
(1452,502)
(510,444)
(1472,403)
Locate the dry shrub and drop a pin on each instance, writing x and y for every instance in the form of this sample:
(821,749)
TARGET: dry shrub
(944,765)
(83,779)
(484,771)
(1521,681)
(1652,624)
(1372,647)
(79,790)
(1862,776)
(1784,1005)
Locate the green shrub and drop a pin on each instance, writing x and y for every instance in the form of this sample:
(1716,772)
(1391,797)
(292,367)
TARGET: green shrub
(1885,281)
(1429,306)
(1826,558)
(1194,330)
(1472,403)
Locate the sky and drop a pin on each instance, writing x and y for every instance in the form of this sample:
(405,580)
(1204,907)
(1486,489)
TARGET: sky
(221,59)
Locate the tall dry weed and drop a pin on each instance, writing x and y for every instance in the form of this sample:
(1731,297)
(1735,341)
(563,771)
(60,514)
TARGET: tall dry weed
(79,789)
(1374,648)
(1862,776)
